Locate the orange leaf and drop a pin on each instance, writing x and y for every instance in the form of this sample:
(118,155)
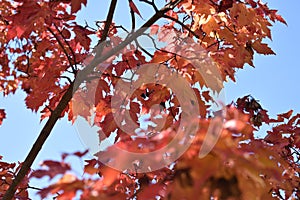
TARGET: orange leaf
(90,167)
(262,48)
(280,18)
(273,138)
(252,3)
(154,29)
(108,125)
(53,168)
(109,174)
(206,96)
(102,109)
(134,110)
(293,119)
(286,115)
(160,57)
(151,191)
(66,33)
(81,36)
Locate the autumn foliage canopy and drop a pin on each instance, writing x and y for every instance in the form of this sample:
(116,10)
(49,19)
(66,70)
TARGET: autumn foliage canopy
(105,74)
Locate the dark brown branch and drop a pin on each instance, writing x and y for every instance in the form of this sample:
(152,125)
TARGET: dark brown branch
(108,22)
(88,26)
(213,44)
(55,115)
(37,146)
(122,27)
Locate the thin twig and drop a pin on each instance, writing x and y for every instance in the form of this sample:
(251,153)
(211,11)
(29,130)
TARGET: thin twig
(67,43)
(151,3)
(183,25)
(63,48)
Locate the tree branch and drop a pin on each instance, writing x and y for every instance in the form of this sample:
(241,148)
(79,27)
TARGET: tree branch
(151,3)
(183,25)
(55,115)
(45,132)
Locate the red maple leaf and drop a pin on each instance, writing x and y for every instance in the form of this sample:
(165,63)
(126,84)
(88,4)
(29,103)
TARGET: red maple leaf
(2,115)
(76,5)
(134,8)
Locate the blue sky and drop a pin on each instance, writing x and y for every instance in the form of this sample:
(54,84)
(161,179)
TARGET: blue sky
(274,82)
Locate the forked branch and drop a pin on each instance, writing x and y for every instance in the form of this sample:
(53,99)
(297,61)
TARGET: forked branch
(55,115)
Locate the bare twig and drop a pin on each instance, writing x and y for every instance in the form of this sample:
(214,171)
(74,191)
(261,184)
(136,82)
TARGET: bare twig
(151,3)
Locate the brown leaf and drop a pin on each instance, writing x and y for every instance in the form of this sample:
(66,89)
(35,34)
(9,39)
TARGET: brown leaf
(262,48)
(151,191)
(134,111)
(2,115)
(280,18)
(81,36)
(225,4)
(286,115)
(76,5)
(53,168)
(90,167)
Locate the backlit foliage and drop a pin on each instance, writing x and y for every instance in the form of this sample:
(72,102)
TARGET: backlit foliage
(43,50)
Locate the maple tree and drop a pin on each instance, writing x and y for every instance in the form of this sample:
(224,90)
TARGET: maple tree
(197,46)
